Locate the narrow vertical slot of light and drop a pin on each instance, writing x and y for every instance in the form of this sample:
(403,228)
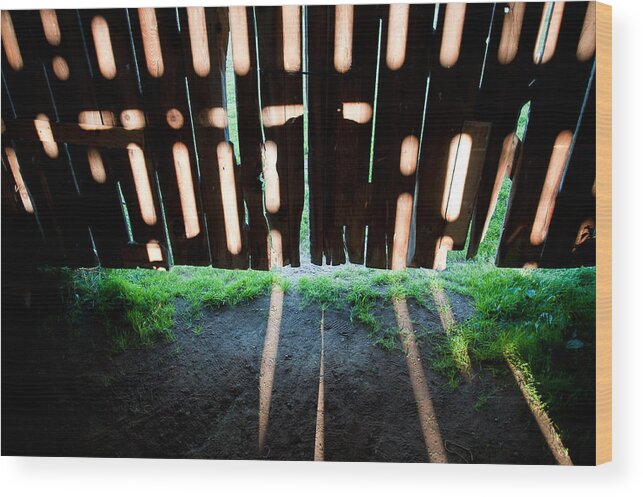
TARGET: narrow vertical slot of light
(186,189)
(319,425)
(403,212)
(151,42)
(397,31)
(14,165)
(442,246)
(103,45)
(50,26)
(343,58)
(587,41)
(375,98)
(46,136)
(96,166)
(10,42)
(511,29)
(229,197)
(240,41)
(509,146)
(199,40)
(456,177)
(453,26)
(271,177)
(549,192)
(486,49)
(409,155)
(142,183)
(275,248)
(291,32)
(547,38)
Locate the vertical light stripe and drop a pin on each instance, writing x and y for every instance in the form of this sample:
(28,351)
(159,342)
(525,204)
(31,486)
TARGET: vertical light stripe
(240,42)
(452,34)
(409,155)
(426,412)
(511,29)
(587,41)
(186,189)
(142,183)
(403,213)
(10,42)
(343,57)
(151,42)
(291,31)
(271,177)
(229,197)
(14,165)
(456,177)
(103,45)
(549,192)
(50,26)
(96,166)
(199,40)
(548,31)
(398,26)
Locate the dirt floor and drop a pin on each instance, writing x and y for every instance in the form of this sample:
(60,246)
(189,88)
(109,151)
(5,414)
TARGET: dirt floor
(70,394)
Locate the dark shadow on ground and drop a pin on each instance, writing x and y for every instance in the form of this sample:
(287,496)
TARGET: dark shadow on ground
(69,393)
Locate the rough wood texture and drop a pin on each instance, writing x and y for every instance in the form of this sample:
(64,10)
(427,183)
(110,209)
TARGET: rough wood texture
(604,238)
(121,87)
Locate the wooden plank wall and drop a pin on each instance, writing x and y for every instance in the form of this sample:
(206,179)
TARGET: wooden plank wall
(120,116)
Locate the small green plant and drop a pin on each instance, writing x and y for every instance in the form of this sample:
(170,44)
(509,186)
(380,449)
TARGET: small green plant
(483,401)
(387,339)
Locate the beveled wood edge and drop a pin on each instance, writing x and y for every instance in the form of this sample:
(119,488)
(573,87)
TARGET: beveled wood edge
(604,233)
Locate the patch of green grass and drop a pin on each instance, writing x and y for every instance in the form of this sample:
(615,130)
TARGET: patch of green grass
(138,306)
(327,291)
(525,315)
(387,339)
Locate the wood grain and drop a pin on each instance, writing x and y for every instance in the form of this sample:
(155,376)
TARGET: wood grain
(604,230)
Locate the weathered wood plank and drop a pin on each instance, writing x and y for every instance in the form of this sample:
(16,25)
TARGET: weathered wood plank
(242,28)
(168,131)
(456,64)
(204,35)
(281,86)
(551,126)
(407,39)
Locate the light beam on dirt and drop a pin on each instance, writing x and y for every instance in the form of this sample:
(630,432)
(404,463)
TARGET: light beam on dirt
(444,308)
(545,424)
(426,413)
(268,359)
(319,428)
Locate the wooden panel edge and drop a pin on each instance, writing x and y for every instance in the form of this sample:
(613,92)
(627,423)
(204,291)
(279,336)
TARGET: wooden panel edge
(604,233)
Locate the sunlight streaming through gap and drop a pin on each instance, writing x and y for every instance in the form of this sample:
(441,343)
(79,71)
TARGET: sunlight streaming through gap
(268,361)
(426,412)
